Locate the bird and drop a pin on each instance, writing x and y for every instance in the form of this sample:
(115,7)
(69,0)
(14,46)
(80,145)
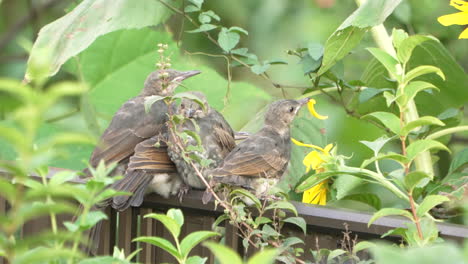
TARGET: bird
(216,137)
(130,138)
(258,162)
(130,141)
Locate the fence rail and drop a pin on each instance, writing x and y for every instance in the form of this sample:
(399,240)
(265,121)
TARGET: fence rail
(325,226)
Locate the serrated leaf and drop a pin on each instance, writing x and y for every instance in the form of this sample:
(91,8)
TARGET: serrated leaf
(203,28)
(430,202)
(168,222)
(389,62)
(423,145)
(367,198)
(227,39)
(422,70)
(193,239)
(422,121)
(298,221)
(390,211)
(282,205)
(251,196)
(223,254)
(161,243)
(413,178)
(75,31)
(389,120)
(406,47)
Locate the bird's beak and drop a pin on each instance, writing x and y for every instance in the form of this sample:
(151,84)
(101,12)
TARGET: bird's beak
(188,74)
(303,101)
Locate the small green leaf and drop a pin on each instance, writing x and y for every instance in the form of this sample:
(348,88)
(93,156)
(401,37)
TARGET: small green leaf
(422,121)
(391,155)
(259,69)
(203,28)
(177,215)
(335,253)
(367,198)
(390,211)
(291,241)
(309,65)
(193,239)
(150,100)
(62,177)
(422,70)
(405,49)
(227,39)
(315,50)
(377,144)
(458,161)
(205,17)
(191,96)
(422,145)
(398,35)
(191,8)
(197,3)
(313,180)
(299,221)
(251,196)
(262,220)
(196,260)
(7,190)
(223,254)
(282,205)
(430,202)
(362,246)
(389,120)
(369,93)
(239,30)
(266,256)
(168,222)
(412,89)
(161,243)
(389,62)
(413,178)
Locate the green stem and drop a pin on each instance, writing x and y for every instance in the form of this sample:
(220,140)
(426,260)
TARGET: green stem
(447,131)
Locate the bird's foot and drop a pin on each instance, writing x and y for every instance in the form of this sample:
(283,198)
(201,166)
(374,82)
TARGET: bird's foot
(184,189)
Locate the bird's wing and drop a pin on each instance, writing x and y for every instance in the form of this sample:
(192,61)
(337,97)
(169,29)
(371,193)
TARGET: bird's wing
(150,157)
(129,126)
(252,158)
(223,133)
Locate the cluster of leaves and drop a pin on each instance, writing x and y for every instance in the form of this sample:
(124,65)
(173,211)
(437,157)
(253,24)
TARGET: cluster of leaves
(30,191)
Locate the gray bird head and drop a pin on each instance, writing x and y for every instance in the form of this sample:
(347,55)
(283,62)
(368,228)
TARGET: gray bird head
(191,109)
(281,113)
(164,82)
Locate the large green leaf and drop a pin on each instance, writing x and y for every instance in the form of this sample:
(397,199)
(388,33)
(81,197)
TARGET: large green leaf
(223,254)
(430,202)
(349,34)
(422,145)
(266,256)
(389,211)
(193,239)
(161,243)
(171,224)
(459,160)
(389,120)
(74,32)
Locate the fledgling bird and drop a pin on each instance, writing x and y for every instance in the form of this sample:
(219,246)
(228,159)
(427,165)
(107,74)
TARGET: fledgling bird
(259,161)
(216,136)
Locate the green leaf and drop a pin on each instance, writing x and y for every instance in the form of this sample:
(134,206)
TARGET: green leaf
(197,3)
(315,179)
(389,62)
(369,93)
(367,198)
(398,35)
(406,47)
(259,69)
(266,256)
(7,190)
(193,239)
(203,28)
(422,70)
(177,215)
(103,260)
(423,145)
(161,243)
(150,100)
(390,211)
(62,177)
(196,260)
(262,220)
(413,178)
(422,121)
(458,161)
(350,32)
(223,254)
(315,50)
(191,96)
(239,30)
(282,205)
(377,144)
(168,222)
(389,120)
(335,253)
(412,89)
(391,155)
(205,17)
(227,39)
(251,196)
(309,65)
(430,202)
(299,221)
(45,255)
(191,8)
(74,32)
(38,209)
(291,241)
(362,246)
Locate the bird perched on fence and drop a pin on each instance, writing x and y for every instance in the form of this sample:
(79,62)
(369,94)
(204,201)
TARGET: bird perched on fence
(216,137)
(130,138)
(259,161)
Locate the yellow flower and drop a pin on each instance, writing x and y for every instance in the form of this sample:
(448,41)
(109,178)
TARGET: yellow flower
(314,160)
(310,106)
(460,18)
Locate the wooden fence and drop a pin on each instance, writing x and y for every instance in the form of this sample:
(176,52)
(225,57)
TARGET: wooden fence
(325,227)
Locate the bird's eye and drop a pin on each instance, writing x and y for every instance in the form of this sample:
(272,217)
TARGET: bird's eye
(291,109)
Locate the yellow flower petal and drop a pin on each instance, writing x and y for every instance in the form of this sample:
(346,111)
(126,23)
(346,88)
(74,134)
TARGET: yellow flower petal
(310,106)
(460,18)
(306,145)
(327,148)
(464,34)
(312,160)
(460,5)
(317,194)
